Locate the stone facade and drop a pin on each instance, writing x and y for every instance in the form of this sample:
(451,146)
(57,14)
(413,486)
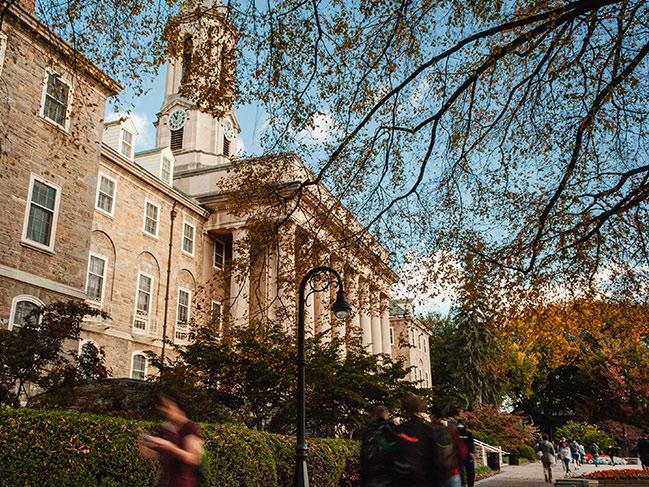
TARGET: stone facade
(410,341)
(148,237)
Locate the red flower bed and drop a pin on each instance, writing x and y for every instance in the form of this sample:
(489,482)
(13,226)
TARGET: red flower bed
(624,474)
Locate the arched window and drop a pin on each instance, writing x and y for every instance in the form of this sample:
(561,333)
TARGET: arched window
(139,366)
(24,309)
(188,50)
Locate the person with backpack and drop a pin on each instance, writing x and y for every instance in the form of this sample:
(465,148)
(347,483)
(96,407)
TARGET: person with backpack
(179,449)
(594,449)
(450,453)
(468,472)
(414,461)
(377,446)
(574,453)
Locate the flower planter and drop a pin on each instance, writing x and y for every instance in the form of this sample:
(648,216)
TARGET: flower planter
(602,483)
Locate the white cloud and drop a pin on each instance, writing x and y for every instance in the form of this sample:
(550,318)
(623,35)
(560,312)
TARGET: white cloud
(146,133)
(320,129)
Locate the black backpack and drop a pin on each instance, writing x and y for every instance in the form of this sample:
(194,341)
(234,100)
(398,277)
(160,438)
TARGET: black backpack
(445,452)
(377,447)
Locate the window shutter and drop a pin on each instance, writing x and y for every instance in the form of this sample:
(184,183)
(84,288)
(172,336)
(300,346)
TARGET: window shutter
(176,139)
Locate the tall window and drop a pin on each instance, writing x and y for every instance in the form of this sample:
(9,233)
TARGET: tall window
(25,310)
(219,254)
(188,238)
(106,194)
(127,144)
(217,314)
(57,95)
(391,336)
(226,146)
(42,212)
(96,277)
(188,49)
(138,367)
(143,302)
(151,215)
(182,315)
(165,172)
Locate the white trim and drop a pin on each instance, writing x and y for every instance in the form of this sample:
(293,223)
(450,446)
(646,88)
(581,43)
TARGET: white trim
(214,254)
(220,305)
(103,277)
(189,313)
(100,175)
(146,364)
(157,226)
(3,49)
(65,79)
(123,129)
(182,243)
(164,158)
(41,282)
(18,299)
(57,200)
(149,313)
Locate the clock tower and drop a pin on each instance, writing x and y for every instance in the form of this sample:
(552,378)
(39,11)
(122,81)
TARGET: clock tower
(196,119)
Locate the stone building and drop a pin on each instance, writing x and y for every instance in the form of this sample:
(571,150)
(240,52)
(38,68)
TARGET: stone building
(410,340)
(148,236)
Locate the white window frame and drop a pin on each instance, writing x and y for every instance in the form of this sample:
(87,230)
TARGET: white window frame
(57,201)
(18,299)
(189,314)
(222,266)
(149,311)
(182,244)
(220,305)
(114,196)
(103,277)
(65,79)
(146,365)
(147,201)
(171,169)
(122,129)
(3,50)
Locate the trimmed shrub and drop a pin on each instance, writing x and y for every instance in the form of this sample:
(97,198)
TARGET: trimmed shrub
(485,438)
(528,452)
(63,448)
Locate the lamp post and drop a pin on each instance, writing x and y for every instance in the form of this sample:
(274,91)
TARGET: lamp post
(341,309)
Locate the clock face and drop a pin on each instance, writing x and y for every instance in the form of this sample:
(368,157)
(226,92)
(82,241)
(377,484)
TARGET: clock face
(228,129)
(177,119)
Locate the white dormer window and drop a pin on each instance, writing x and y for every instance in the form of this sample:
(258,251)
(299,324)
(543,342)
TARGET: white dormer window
(165,170)
(219,254)
(126,146)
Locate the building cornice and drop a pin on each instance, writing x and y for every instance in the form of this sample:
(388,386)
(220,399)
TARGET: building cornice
(84,65)
(145,176)
(42,282)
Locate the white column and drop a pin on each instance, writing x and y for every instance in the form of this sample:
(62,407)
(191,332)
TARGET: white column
(351,290)
(377,337)
(364,311)
(385,324)
(309,311)
(323,315)
(239,278)
(282,286)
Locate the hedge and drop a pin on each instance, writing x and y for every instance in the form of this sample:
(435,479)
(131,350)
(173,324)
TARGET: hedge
(64,448)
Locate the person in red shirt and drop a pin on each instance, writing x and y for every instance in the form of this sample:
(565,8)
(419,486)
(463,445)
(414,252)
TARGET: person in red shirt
(451,466)
(178,447)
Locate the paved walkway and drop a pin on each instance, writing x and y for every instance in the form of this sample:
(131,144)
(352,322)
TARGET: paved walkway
(531,475)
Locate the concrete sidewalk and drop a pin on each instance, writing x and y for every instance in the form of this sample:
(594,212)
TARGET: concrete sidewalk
(531,474)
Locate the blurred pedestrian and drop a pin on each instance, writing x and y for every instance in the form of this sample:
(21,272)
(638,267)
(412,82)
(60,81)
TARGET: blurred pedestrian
(566,456)
(468,472)
(594,449)
(574,453)
(377,447)
(643,450)
(414,462)
(547,455)
(179,446)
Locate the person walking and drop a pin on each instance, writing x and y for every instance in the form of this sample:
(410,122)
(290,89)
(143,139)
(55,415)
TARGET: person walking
(449,452)
(179,448)
(413,461)
(594,448)
(566,456)
(547,454)
(468,472)
(643,450)
(377,447)
(582,454)
(574,453)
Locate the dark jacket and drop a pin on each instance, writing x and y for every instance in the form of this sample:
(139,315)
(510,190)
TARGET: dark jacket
(377,447)
(413,464)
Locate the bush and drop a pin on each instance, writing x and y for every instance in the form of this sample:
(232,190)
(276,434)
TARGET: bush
(508,430)
(485,438)
(528,452)
(63,448)
(584,433)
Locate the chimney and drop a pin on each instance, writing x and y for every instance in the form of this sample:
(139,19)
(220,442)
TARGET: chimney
(28,5)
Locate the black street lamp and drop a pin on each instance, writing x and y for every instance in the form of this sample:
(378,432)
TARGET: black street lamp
(341,309)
